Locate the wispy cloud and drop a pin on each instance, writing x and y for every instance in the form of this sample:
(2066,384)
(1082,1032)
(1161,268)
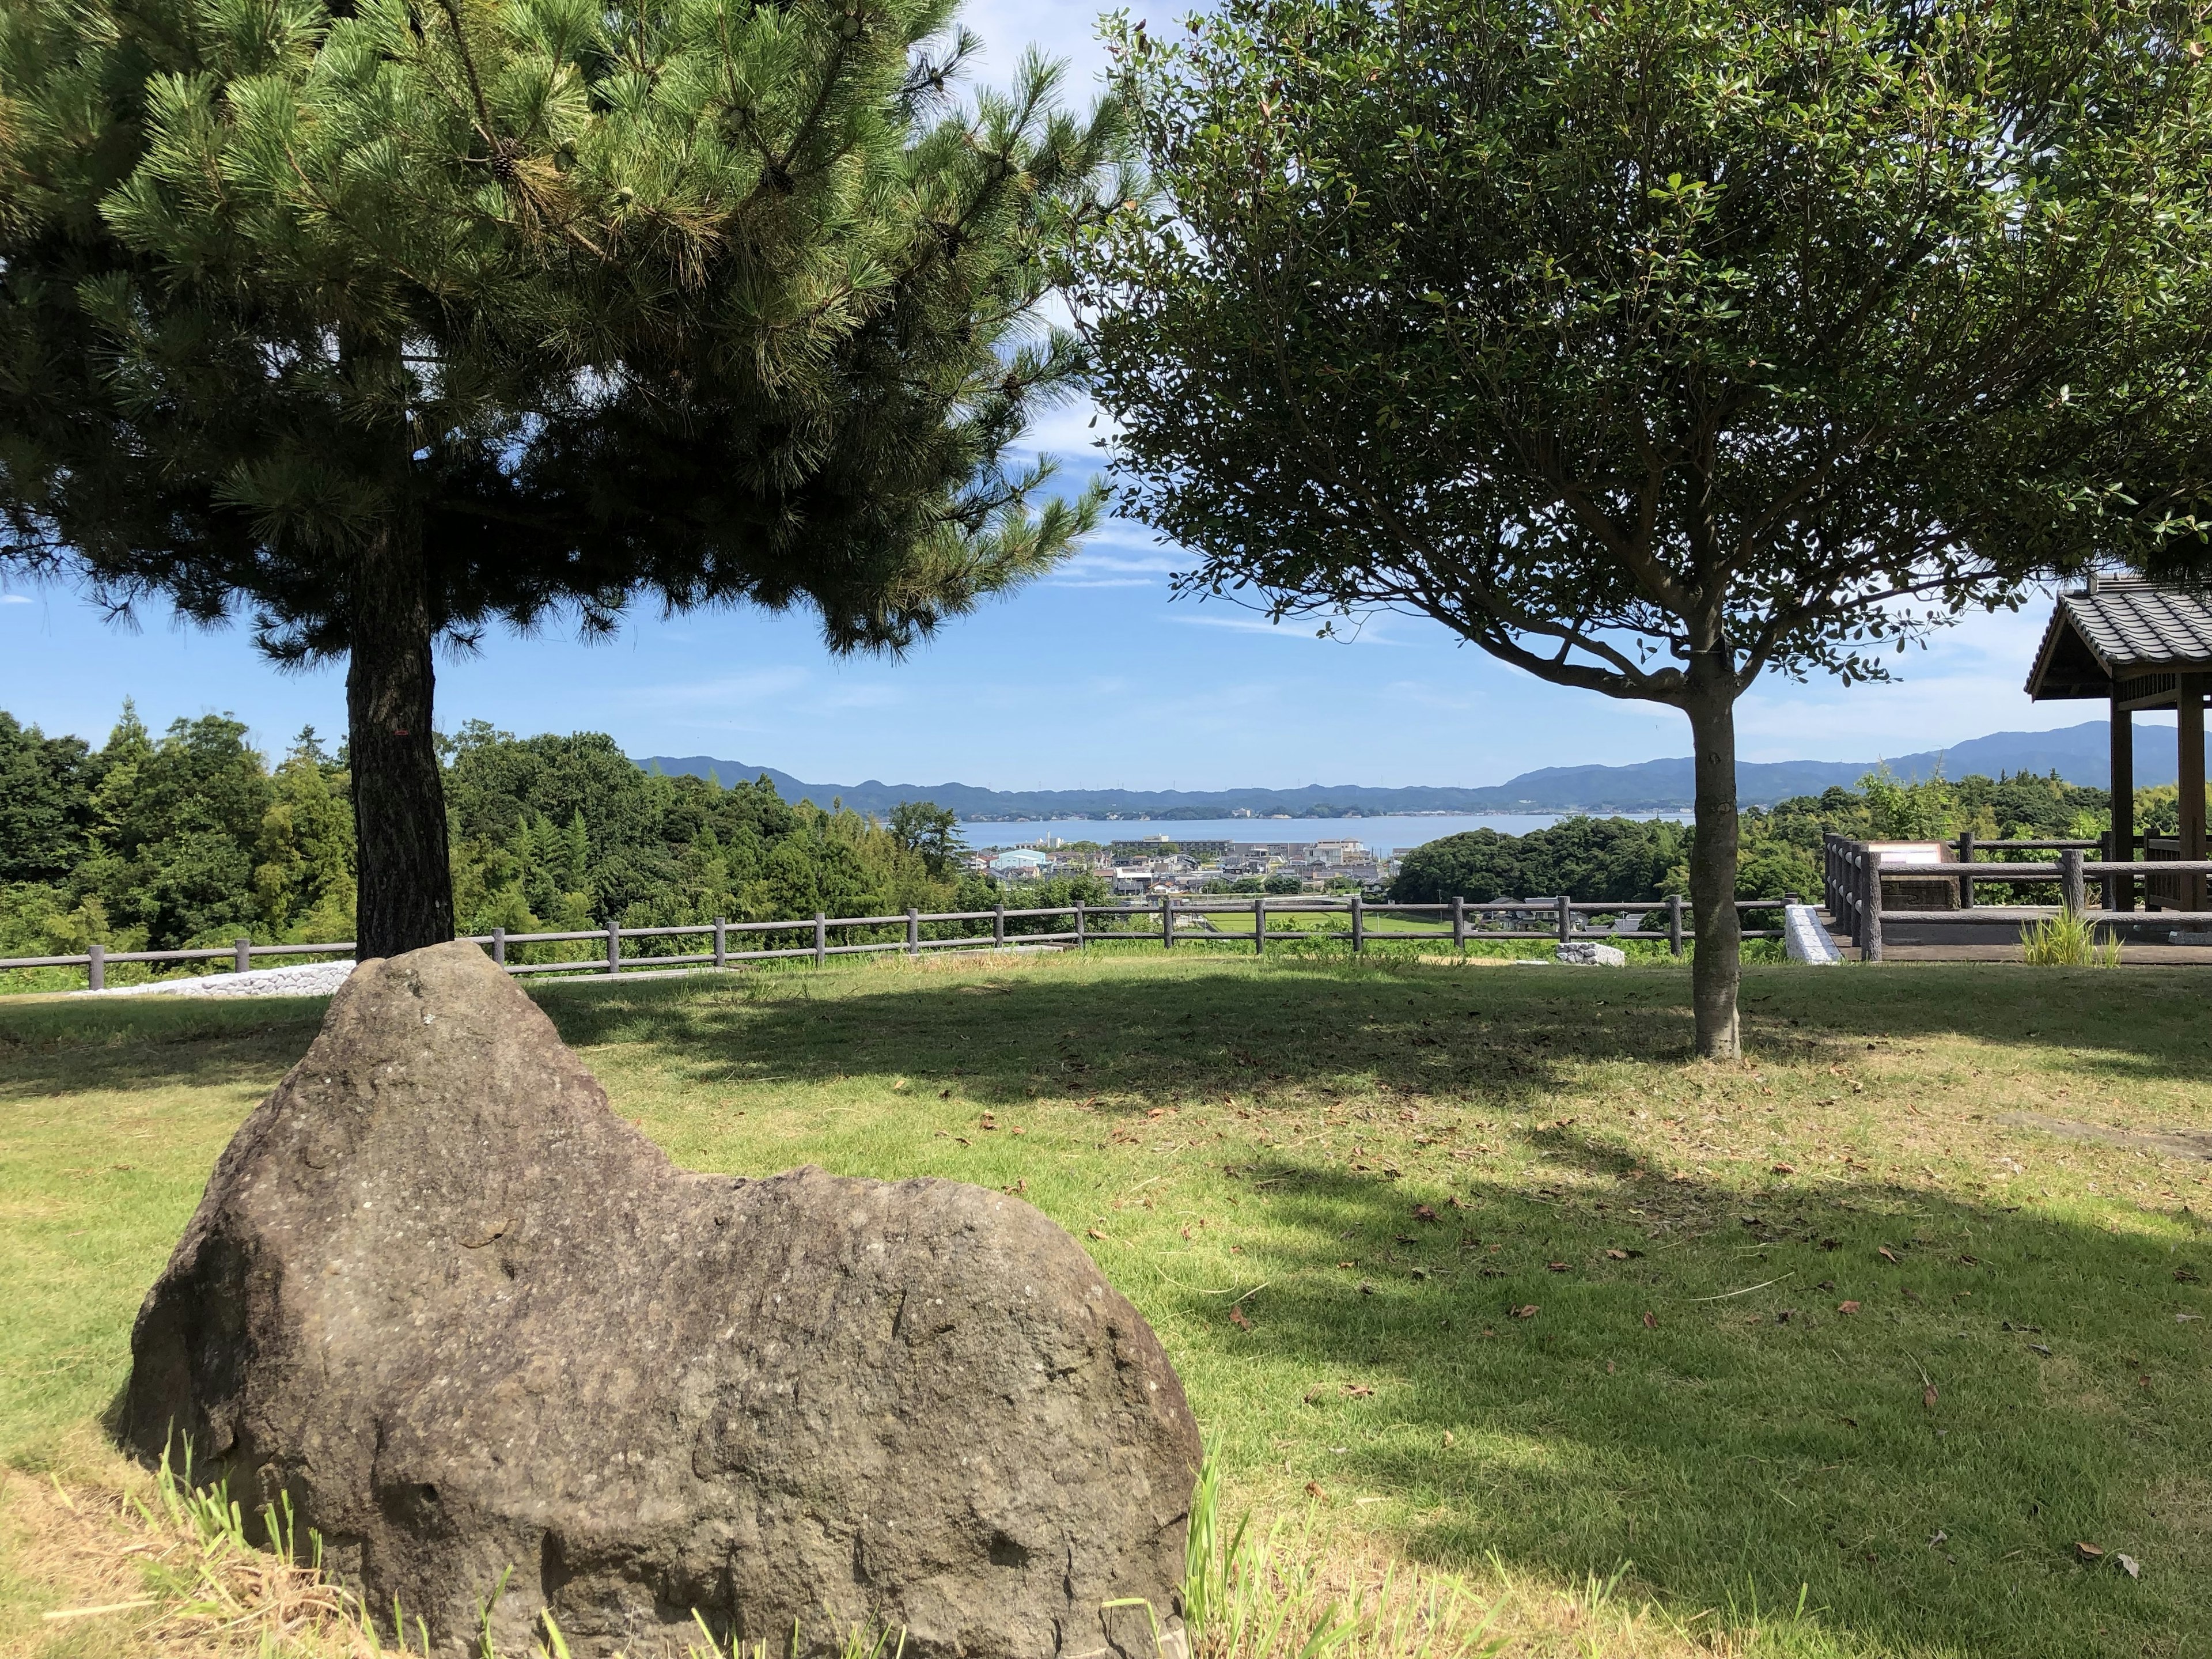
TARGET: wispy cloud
(729,691)
(864,697)
(15,598)
(1240,624)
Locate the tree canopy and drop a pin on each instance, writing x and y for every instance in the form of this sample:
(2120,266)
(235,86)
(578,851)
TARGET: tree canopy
(383,323)
(1655,346)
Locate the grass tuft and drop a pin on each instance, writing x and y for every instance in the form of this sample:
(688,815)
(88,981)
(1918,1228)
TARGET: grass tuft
(2067,939)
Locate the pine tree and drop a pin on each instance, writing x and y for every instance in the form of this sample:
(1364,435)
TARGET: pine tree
(379,323)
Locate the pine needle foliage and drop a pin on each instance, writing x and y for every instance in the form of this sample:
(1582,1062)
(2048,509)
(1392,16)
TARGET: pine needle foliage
(381,322)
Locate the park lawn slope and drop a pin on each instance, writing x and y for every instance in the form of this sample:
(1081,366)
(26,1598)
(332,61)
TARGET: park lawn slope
(1479,1263)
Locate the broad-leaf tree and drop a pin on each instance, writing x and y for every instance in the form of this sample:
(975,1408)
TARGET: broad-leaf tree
(382,321)
(1650,346)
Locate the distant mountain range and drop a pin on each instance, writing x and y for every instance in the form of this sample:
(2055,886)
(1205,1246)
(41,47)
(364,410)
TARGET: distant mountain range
(2077,753)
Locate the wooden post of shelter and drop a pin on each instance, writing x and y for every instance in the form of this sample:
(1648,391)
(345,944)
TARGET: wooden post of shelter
(2120,890)
(2188,706)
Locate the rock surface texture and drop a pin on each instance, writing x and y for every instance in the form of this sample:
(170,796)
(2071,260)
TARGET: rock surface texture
(472,1321)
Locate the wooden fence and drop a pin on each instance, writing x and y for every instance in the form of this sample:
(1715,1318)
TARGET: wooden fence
(1853,871)
(1169,922)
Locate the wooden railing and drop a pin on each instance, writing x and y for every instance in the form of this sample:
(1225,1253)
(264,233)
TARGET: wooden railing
(1853,873)
(1167,921)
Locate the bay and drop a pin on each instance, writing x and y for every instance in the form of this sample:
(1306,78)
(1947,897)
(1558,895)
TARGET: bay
(1386,834)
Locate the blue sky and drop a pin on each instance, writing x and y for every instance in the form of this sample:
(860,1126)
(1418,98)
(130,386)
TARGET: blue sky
(1091,678)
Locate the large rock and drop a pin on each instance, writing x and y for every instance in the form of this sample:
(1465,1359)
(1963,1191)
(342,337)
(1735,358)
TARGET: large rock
(475,1324)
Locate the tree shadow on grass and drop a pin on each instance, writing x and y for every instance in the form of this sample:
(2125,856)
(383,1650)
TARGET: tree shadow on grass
(1637,1369)
(50,1048)
(1502,1036)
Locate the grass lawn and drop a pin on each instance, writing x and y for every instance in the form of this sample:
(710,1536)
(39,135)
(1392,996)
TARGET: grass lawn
(1474,1262)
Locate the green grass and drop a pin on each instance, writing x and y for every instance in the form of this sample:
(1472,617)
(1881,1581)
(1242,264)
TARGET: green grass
(1246,1148)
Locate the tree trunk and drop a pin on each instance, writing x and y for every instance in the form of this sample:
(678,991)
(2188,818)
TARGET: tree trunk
(1717,964)
(406,882)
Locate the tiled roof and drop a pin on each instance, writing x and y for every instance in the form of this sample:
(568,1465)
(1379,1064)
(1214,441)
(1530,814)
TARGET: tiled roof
(2136,625)
(2129,628)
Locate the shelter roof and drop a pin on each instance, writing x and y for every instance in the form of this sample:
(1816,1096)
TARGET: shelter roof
(2121,630)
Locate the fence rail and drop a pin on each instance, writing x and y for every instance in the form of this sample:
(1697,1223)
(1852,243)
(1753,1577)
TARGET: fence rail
(1168,921)
(1853,872)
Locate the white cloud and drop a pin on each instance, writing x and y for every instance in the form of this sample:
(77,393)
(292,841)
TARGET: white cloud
(15,598)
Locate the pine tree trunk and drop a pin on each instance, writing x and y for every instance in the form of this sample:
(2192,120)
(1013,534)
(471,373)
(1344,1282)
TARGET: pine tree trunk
(1717,964)
(406,892)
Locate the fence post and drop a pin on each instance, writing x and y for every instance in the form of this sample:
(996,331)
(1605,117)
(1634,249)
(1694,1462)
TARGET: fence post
(1459,922)
(1359,923)
(95,966)
(1080,940)
(499,945)
(1674,923)
(721,943)
(614,947)
(821,938)
(1259,926)
(2073,885)
(1965,856)
(913,931)
(241,956)
(1566,918)
(1870,910)
(999,924)
(1167,921)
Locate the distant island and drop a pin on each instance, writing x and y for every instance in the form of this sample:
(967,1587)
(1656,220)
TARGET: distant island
(2079,754)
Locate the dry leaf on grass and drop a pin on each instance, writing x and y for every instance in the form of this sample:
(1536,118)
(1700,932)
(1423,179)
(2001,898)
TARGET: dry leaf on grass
(1847,1307)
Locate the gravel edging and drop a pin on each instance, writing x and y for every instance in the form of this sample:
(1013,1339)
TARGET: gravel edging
(313,979)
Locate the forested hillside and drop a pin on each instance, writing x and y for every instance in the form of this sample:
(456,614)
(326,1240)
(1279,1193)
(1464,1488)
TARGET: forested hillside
(193,838)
